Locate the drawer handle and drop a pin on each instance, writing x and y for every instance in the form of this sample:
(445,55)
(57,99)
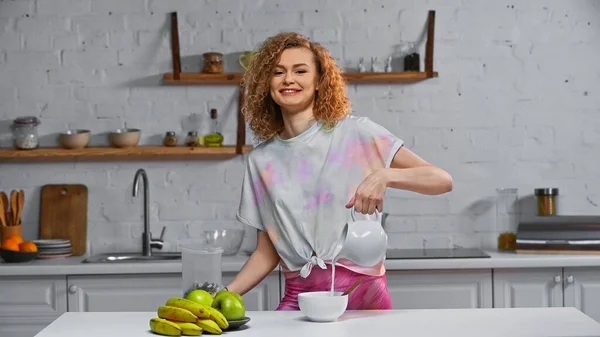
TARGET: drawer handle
(72,289)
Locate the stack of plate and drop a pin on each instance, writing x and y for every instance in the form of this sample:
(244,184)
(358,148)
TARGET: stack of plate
(53,249)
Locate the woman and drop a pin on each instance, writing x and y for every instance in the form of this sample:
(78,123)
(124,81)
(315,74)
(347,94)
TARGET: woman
(314,163)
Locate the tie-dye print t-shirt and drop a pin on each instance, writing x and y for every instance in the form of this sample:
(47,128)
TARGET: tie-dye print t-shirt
(296,189)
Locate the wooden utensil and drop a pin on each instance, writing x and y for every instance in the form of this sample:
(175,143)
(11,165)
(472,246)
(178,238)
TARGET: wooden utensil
(13,206)
(4,198)
(21,201)
(352,287)
(2,214)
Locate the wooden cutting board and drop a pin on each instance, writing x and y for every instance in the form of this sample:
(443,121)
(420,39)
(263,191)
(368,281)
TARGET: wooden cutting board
(63,214)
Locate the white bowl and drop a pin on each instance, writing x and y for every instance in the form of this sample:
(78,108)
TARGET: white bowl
(321,306)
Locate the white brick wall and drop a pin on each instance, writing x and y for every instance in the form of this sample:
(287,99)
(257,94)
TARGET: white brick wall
(516,103)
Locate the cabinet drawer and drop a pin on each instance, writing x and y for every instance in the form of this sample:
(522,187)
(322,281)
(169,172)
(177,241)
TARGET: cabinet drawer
(23,327)
(33,297)
(440,289)
(111,293)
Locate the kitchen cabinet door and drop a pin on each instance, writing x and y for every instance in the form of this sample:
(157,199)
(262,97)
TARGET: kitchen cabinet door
(528,288)
(32,296)
(131,292)
(264,297)
(147,292)
(29,303)
(440,289)
(582,290)
(23,327)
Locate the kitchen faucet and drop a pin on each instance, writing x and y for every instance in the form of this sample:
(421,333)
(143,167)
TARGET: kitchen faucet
(147,241)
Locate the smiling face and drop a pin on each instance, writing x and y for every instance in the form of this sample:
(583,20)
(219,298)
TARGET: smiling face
(294,80)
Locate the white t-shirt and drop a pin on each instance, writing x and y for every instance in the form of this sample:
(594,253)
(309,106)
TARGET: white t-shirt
(296,189)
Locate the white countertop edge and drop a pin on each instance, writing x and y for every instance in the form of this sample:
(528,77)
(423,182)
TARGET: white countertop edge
(74,266)
(526,322)
(497,260)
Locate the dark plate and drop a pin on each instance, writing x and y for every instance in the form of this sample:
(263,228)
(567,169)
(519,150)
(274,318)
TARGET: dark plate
(237,324)
(13,256)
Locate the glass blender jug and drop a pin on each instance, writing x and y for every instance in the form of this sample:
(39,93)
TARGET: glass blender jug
(201,264)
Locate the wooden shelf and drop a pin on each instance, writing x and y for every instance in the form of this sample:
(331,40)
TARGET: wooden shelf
(157,153)
(351,78)
(205,79)
(378,78)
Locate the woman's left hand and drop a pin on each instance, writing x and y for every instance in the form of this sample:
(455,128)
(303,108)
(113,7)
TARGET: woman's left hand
(369,194)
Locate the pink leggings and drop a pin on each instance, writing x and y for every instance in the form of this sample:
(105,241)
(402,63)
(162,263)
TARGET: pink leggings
(371,294)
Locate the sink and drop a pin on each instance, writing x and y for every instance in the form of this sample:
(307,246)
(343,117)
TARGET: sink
(132,257)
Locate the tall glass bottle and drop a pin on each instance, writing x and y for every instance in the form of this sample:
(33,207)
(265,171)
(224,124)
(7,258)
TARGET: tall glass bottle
(214,138)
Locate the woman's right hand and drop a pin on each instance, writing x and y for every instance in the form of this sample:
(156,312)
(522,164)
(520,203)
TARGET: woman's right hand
(260,264)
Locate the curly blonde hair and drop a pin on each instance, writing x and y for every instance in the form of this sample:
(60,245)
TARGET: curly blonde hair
(263,114)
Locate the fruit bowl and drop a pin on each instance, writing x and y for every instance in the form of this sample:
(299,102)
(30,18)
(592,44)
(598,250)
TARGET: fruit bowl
(322,306)
(199,313)
(233,325)
(230,240)
(12,256)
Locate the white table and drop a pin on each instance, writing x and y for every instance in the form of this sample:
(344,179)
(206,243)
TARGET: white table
(530,322)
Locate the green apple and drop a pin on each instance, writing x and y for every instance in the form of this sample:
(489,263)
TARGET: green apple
(200,296)
(236,295)
(230,305)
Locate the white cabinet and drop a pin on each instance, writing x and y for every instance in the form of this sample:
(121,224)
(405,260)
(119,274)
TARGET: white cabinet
(147,292)
(581,288)
(549,287)
(23,327)
(437,289)
(522,288)
(440,289)
(131,292)
(28,304)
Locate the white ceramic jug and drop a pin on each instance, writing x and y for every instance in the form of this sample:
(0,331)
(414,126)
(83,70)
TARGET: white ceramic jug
(363,242)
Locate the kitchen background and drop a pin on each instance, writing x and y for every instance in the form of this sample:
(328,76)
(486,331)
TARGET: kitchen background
(516,104)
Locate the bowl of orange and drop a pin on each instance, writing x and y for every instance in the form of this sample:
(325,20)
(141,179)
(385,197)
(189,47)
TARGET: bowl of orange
(14,250)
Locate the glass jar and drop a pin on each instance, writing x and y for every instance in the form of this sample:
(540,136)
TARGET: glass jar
(213,63)
(192,139)
(412,61)
(507,217)
(170,139)
(25,133)
(546,201)
(201,265)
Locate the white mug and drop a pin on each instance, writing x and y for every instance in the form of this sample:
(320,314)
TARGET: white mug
(363,242)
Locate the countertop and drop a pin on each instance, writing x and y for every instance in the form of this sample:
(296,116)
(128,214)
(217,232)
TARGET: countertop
(73,265)
(498,260)
(526,322)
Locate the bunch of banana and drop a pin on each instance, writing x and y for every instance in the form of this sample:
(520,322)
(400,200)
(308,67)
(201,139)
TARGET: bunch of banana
(181,317)
(165,327)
